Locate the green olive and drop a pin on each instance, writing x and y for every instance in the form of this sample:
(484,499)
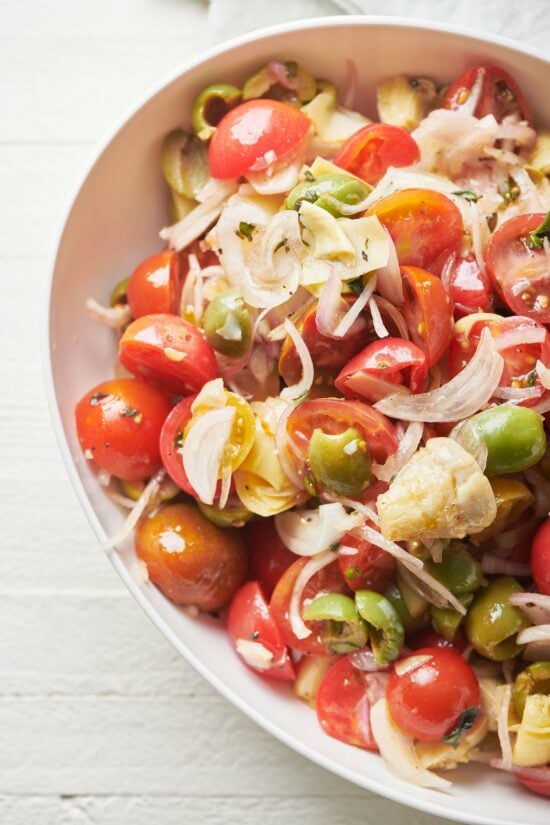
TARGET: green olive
(513,498)
(340,464)
(411,624)
(514,437)
(446,620)
(179,206)
(211,105)
(184,163)
(227,324)
(386,631)
(534,679)
(458,571)
(342,188)
(234,514)
(133,489)
(261,84)
(492,623)
(118,295)
(344,629)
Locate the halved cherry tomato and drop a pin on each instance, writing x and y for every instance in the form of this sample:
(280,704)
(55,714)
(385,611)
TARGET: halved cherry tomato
(343,707)
(519,361)
(250,621)
(469,288)
(427,700)
(371,151)
(428,312)
(155,284)
(520,273)
(497,94)
(268,557)
(382,366)
(540,558)
(166,350)
(536,780)
(328,355)
(327,580)
(334,416)
(254,135)
(118,425)
(429,637)
(422,224)
(369,568)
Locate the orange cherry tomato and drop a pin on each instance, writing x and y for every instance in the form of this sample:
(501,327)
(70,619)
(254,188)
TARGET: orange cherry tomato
(428,312)
(155,284)
(370,152)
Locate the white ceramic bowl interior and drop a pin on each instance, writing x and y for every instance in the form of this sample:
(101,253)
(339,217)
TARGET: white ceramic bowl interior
(113,222)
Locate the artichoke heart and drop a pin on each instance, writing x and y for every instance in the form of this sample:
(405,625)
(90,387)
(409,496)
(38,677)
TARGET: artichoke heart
(532,745)
(540,159)
(439,493)
(403,101)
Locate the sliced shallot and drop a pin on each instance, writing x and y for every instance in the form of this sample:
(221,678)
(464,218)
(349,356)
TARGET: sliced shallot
(316,563)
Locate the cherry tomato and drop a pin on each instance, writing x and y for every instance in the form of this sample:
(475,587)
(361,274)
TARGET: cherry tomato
(254,135)
(428,312)
(371,151)
(427,700)
(166,350)
(519,361)
(191,560)
(327,580)
(249,620)
(496,91)
(327,354)
(540,558)
(334,416)
(429,637)
(469,288)
(268,557)
(422,224)
(536,780)
(118,425)
(343,707)
(369,568)
(154,285)
(519,273)
(375,372)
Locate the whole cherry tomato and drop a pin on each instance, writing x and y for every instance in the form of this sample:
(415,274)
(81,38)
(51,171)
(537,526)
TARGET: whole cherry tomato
(496,92)
(370,152)
(376,371)
(428,312)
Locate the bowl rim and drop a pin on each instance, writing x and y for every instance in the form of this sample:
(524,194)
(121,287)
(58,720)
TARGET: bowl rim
(389,792)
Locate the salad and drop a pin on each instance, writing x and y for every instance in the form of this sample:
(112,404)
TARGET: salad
(327,421)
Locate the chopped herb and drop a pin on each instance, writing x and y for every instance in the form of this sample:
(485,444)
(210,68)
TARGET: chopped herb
(356,285)
(532,378)
(97,397)
(245,231)
(129,412)
(465,722)
(467,194)
(309,484)
(309,176)
(510,191)
(535,239)
(334,547)
(291,69)
(364,255)
(492,221)
(352,572)
(282,244)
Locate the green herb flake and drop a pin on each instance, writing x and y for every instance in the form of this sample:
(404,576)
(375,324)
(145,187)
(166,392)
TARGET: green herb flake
(245,231)
(130,412)
(535,239)
(356,285)
(465,722)
(97,397)
(352,572)
(467,194)
(309,176)
(365,256)
(532,378)
(509,191)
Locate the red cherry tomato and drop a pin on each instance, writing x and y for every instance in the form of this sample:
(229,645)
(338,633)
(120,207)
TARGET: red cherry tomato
(254,135)
(428,637)
(540,558)
(427,700)
(428,312)
(327,580)
(118,425)
(268,557)
(166,350)
(343,707)
(336,415)
(369,568)
(249,620)
(422,224)
(468,287)
(520,273)
(536,780)
(154,285)
(171,439)
(375,372)
(519,361)
(371,151)
(497,94)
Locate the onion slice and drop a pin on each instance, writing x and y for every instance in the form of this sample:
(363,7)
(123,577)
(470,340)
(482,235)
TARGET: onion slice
(519,337)
(316,563)
(309,532)
(537,633)
(203,450)
(408,445)
(192,226)
(308,373)
(378,323)
(495,565)
(543,373)
(390,284)
(505,696)
(150,490)
(536,606)
(356,309)
(460,397)
(331,307)
(114,317)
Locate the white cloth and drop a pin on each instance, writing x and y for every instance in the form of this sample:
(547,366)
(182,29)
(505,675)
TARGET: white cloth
(527,21)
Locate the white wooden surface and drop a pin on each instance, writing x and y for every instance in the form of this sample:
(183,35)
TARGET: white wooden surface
(100,720)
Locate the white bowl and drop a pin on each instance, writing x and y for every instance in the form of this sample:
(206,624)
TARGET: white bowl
(113,222)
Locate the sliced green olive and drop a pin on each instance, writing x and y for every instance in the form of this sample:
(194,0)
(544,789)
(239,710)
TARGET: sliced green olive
(227,324)
(327,191)
(184,163)
(458,571)
(234,514)
(411,624)
(344,629)
(513,498)
(340,464)
(447,621)
(211,105)
(534,679)
(386,632)
(118,295)
(179,206)
(492,624)
(265,83)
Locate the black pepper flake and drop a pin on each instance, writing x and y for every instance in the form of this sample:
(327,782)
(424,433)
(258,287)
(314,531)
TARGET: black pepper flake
(129,412)
(97,397)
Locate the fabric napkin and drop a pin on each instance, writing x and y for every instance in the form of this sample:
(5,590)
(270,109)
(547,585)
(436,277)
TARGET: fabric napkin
(528,21)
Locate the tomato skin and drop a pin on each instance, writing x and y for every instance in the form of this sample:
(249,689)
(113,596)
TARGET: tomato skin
(469,288)
(393,361)
(537,785)
(540,558)
(327,580)
(191,560)
(343,707)
(511,260)
(172,429)
(422,223)
(168,351)
(249,618)
(124,445)
(369,569)
(249,131)
(268,557)
(334,416)
(500,94)
(429,637)
(428,312)
(370,152)
(154,285)
(427,700)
